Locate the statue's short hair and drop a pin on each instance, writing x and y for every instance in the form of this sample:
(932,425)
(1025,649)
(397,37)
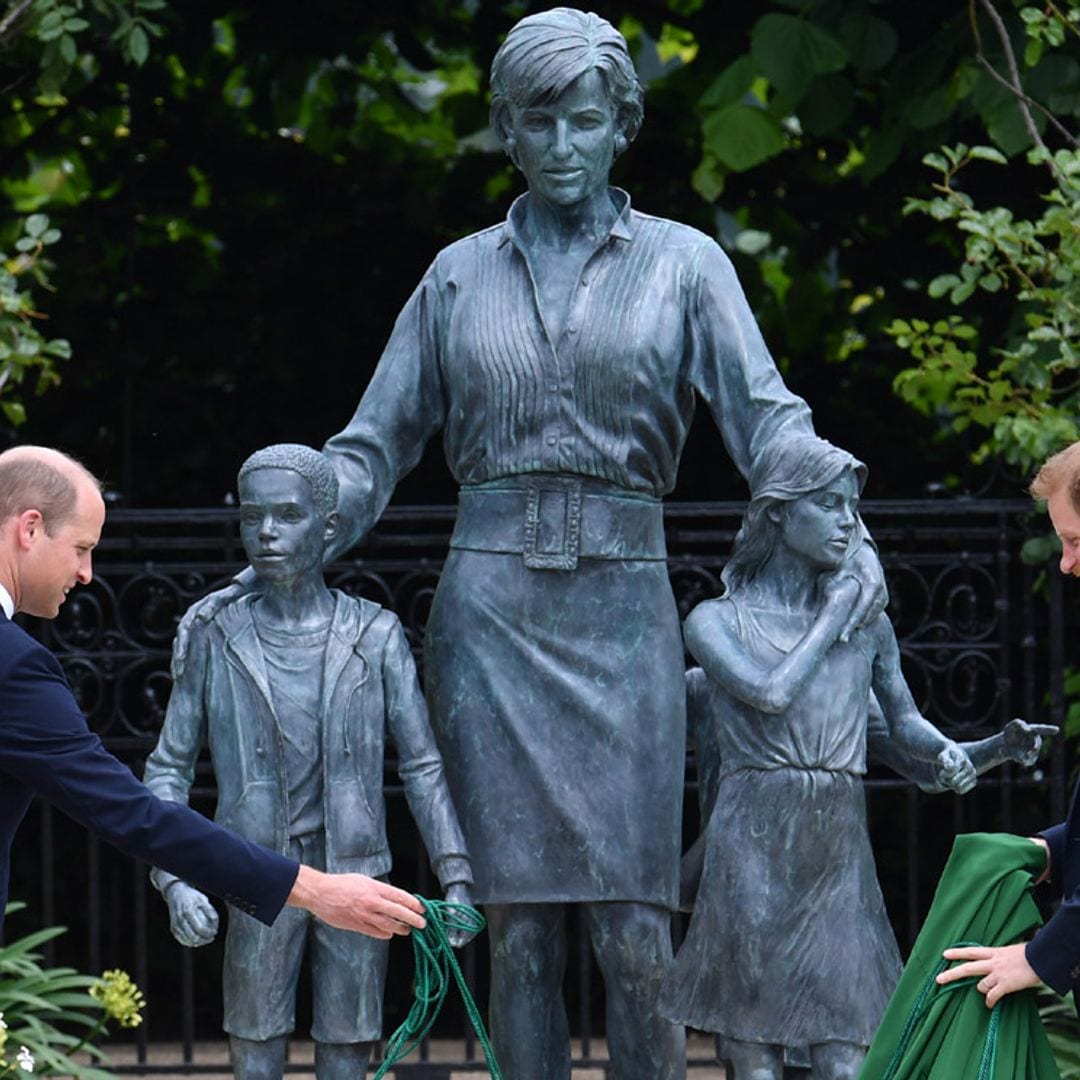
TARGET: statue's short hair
(43,479)
(786,470)
(544,53)
(1061,470)
(312,465)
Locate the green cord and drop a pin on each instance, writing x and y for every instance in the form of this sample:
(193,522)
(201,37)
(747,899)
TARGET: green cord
(929,993)
(435,963)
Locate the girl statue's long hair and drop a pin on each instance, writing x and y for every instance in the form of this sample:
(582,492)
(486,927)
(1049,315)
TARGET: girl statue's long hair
(787,470)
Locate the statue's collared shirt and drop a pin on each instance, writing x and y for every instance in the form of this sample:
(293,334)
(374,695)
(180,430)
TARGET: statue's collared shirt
(657,320)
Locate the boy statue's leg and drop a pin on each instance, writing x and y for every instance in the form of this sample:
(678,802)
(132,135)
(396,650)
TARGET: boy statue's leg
(529,1030)
(258,1059)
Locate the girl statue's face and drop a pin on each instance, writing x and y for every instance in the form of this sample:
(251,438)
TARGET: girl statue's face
(819,526)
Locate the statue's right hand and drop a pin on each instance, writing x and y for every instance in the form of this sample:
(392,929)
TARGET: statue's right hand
(192,918)
(202,611)
(841,590)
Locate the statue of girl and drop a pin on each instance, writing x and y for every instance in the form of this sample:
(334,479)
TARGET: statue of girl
(789,944)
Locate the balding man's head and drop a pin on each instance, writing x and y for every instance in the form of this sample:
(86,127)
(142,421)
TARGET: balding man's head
(40,478)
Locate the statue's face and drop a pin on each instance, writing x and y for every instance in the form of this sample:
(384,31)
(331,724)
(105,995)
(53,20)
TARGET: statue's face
(283,533)
(565,148)
(819,526)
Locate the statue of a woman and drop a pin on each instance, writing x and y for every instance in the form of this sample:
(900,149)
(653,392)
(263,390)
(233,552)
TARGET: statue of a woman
(560,354)
(789,944)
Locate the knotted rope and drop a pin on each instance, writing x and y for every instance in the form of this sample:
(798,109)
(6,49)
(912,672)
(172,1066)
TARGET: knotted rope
(435,963)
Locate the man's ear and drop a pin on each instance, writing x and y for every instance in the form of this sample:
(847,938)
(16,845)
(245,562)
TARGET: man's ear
(29,525)
(332,520)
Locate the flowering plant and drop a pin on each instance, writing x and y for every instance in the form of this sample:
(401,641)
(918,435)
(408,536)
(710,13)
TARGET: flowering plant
(50,1014)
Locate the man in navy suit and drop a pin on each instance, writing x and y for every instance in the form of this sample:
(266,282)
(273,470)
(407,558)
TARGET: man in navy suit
(1052,956)
(51,515)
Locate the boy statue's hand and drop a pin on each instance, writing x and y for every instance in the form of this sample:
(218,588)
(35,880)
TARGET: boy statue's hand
(460,893)
(192,917)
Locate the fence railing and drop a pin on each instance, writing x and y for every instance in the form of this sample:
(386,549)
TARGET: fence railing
(982,640)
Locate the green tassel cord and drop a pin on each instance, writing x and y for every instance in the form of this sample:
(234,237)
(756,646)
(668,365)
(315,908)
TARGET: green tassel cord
(435,964)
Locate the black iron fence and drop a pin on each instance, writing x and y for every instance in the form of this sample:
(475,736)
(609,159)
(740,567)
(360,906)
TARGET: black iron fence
(982,638)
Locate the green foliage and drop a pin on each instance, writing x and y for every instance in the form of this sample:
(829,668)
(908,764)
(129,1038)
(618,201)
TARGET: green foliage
(1015,375)
(54,1013)
(1063,1032)
(70,33)
(27,356)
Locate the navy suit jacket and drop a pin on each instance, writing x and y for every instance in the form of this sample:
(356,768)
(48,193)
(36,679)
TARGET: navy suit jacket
(1054,952)
(47,749)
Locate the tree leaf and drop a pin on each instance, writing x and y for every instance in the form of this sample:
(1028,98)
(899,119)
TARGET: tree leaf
(741,137)
(138,45)
(791,51)
(870,41)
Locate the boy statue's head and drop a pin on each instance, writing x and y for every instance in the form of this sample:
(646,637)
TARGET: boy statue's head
(288,511)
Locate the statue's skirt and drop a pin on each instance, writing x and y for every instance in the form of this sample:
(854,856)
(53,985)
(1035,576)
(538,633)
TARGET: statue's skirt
(558,701)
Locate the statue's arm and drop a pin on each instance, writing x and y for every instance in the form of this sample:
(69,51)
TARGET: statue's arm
(731,369)
(712,641)
(420,764)
(421,770)
(402,407)
(906,726)
(881,747)
(169,774)
(730,366)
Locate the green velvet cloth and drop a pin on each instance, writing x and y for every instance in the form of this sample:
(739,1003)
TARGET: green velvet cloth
(932,1032)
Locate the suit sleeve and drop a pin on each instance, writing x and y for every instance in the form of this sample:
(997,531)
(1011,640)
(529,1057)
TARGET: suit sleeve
(420,764)
(45,743)
(1054,952)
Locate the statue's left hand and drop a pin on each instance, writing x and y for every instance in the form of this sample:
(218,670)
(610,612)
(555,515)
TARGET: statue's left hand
(955,770)
(192,918)
(1023,741)
(460,893)
(864,565)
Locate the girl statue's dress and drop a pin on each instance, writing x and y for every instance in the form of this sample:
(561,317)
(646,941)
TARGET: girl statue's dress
(789,943)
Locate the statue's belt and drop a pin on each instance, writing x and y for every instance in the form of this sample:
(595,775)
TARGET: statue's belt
(553,522)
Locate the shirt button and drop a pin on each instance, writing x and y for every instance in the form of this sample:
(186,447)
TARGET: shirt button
(551,440)
(553,388)
(571,329)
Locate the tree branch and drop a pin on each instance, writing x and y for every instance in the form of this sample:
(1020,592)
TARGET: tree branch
(1023,102)
(9,24)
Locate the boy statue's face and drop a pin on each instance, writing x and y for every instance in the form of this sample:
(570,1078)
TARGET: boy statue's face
(283,533)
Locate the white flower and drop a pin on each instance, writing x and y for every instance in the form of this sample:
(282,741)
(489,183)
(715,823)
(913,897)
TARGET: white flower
(25,1059)
(3,1022)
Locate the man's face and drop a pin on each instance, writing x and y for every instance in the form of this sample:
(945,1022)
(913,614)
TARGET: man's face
(1066,522)
(55,563)
(565,148)
(283,533)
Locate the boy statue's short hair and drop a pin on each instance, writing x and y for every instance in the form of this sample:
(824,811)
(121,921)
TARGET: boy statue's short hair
(311,464)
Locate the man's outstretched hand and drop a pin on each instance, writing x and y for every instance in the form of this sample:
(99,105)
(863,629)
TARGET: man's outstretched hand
(357,902)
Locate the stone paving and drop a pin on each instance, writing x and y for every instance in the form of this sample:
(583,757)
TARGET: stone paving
(208,1055)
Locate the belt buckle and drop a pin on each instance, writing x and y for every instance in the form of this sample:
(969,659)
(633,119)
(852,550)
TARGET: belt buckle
(552,523)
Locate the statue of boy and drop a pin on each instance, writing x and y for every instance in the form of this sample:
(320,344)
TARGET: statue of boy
(295,687)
